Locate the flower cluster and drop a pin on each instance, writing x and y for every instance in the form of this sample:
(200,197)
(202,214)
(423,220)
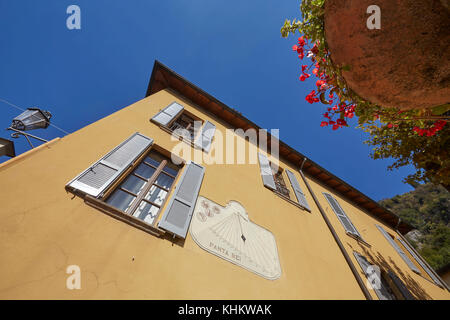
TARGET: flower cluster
(329,91)
(431,131)
(323,85)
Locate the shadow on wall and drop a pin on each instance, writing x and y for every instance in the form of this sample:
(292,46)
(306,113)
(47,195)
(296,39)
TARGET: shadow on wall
(413,286)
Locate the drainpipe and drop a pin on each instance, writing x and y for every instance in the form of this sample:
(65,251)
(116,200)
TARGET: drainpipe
(336,238)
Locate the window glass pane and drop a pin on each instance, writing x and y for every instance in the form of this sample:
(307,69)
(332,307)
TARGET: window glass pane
(170,168)
(133,184)
(164,180)
(156,195)
(155,158)
(121,200)
(146,212)
(152,161)
(144,171)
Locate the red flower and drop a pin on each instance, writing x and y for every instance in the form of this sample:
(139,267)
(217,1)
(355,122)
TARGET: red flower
(311,97)
(315,71)
(323,124)
(302,77)
(319,83)
(294,47)
(301,41)
(390,125)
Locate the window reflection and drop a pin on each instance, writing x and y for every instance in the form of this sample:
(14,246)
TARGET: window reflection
(164,180)
(121,200)
(144,191)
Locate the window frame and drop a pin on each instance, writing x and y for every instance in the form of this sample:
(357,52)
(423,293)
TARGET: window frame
(193,117)
(288,187)
(128,217)
(167,128)
(279,173)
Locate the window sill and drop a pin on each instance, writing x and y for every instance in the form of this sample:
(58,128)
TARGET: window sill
(115,213)
(289,200)
(359,239)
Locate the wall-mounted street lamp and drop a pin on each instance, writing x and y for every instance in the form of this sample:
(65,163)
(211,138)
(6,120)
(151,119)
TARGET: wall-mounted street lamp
(30,119)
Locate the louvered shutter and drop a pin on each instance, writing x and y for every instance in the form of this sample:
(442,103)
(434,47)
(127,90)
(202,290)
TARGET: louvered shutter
(379,288)
(205,137)
(166,115)
(420,262)
(342,216)
(178,214)
(398,249)
(297,190)
(266,171)
(96,179)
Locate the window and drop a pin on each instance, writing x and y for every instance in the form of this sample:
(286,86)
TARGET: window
(415,256)
(400,252)
(279,182)
(143,192)
(386,285)
(175,119)
(341,215)
(273,179)
(186,126)
(132,182)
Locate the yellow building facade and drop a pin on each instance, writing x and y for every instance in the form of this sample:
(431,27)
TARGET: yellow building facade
(209,231)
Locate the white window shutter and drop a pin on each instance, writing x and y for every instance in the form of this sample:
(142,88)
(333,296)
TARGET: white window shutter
(266,171)
(398,249)
(98,177)
(166,115)
(420,262)
(205,136)
(342,216)
(297,190)
(178,214)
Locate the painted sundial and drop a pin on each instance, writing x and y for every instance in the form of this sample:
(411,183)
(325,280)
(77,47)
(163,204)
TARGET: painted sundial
(228,233)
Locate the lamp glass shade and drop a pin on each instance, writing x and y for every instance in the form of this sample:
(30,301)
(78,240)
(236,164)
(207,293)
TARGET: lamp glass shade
(30,119)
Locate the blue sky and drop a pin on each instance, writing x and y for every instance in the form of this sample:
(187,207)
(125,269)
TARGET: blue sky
(231,49)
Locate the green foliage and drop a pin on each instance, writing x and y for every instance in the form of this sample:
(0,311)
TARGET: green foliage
(428,209)
(401,135)
(429,155)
